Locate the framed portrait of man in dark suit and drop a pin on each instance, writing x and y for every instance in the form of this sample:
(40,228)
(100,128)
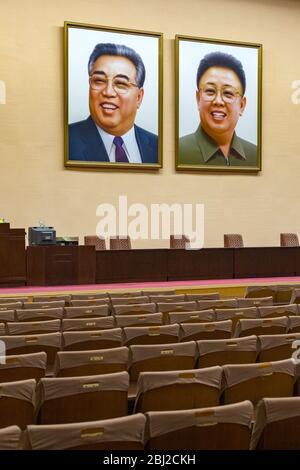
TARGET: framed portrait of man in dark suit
(218,105)
(113,98)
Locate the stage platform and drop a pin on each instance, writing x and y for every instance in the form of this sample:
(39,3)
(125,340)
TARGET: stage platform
(226,287)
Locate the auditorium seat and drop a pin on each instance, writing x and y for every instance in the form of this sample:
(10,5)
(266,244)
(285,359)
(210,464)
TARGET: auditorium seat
(148,319)
(157,357)
(225,427)
(276,347)
(179,242)
(23,367)
(31,315)
(127,294)
(3,330)
(49,343)
(36,327)
(222,303)
(208,330)
(10,300)
(277,424)
(43,305)
(178,390)
(17,403)
(91,296)
(89,340)
(261,326)
(278,311)
(219,352)
(209,296)
(159,292)
(197,316)
(233,240)
(235,314)
(90,311)
(261,291)
(124,433)
(254,301)
(52,298)
(151,334)
(129,300)
(294,324)
(89,302)
(97,242)
(96,362)
(87,324)
(170,298)
(89,398)
(119,243)
(256,381)
(10,438)
(7,315)
(10,306)
(289,239)
(134,309)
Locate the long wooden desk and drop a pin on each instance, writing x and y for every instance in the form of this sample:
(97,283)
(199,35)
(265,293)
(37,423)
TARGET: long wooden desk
(57,265)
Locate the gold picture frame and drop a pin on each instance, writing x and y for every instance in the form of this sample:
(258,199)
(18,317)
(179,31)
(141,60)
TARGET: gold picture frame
(218,105)
(113,88)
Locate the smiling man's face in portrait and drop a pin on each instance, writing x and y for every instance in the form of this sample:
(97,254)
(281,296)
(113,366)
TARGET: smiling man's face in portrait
(114,96)
(220,102)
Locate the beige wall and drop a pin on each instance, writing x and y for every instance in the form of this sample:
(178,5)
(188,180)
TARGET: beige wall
(34,183)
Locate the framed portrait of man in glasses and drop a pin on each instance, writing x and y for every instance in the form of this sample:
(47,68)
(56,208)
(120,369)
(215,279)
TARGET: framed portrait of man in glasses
(218,105)
(113,98)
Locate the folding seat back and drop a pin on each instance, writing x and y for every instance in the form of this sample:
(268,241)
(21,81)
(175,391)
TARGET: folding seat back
(176,307)
(83,363)
(90,311)
(17,403)
(10,438)
(261,326)
(277,424)
(218,352)
(91,296)
(208,304)
(295,298)
(135,309)
(207,296)
(148,319)
(49,343)
(198,316)
(209,330)
(52,298)
(126,294)
(44,305)
(23,367)
(2,329)
(178,390)
(294,325)
(151,334)
(74,399)
(219,428)
(278,311)
(10,306)
(89,303)
(87,324)
(261,291)
(256,381)
(168,298)
(28,328)
(159,357)
(276,347)
(143,299)
(7,315)
(167,292)
(235,314)
(284,294)
(92,340)
(254,301)
(39,315)
(10,300)
(125,433)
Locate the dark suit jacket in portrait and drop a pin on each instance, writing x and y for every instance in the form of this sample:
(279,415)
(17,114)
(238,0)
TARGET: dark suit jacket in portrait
(85,143)
(200,149)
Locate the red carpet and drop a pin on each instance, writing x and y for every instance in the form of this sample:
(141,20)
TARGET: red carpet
(151,285)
